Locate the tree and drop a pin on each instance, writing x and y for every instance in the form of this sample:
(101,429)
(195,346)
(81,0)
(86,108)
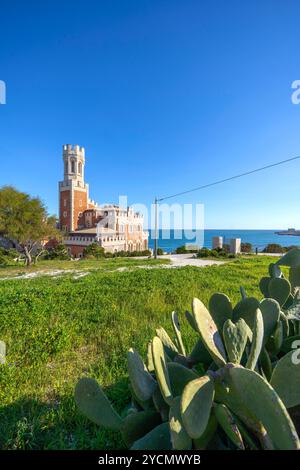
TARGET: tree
(25,220)
(93,251)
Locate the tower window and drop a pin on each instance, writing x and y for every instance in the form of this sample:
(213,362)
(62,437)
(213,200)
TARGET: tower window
(73,166)
(65,214)
(80,168)
(65,203)
(80,202)
(66,167)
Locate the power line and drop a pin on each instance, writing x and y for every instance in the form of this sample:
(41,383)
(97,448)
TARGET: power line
(228,179)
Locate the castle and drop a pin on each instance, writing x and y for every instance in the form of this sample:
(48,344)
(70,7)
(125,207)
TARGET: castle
(113,227)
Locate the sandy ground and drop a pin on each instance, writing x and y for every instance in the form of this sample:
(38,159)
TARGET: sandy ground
(176,261)
(187,260)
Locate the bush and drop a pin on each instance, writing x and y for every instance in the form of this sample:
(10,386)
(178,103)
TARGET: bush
(59,252)
(10,253)
(214,253)
(223,253)
(204,253)
(246,247)
(273,248)
(126,254)
(7,256)
(180,250)
(4,261)
(217,253)
(160,251)
(93,251)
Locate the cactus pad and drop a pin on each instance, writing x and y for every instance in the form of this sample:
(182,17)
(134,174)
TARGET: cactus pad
(196,404)
(157,439)
(94,404)
(264,286)
(279,289)
(176,326)
(260,404)
(245,309)
(286,378)
(161,371)
(169,346)
(270,310)
(209,332)
(220,309)
(235,337)
(136,425)
(179,377)
(142,382)
(257,341)
(229,425)
(291,258)
(179,437)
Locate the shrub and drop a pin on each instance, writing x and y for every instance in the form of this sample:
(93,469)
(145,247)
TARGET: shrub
(60,252)
(4,261)
(273,248)
(181,250)
(203,253)
(93,251)
(160,251)
(223,253)
(7,256)
(214,253)
(246,247)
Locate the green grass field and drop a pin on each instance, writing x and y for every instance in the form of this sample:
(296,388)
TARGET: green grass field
(60,329)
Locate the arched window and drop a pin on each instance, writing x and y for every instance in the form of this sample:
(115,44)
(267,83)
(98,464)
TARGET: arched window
(66,167)
(80,168)
(72,166)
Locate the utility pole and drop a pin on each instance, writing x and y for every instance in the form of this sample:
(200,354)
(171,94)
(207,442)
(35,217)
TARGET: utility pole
(156,228)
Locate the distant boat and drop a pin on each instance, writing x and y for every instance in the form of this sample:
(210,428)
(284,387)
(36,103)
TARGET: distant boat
(289,231)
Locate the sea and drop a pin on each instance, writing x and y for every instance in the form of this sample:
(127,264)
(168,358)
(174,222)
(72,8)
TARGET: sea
(169,241)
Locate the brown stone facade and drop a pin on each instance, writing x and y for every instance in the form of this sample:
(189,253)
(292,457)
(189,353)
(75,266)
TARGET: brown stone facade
(76,251)
(65,210)
(80,205)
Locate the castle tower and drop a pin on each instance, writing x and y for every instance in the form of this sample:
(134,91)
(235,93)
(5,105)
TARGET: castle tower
(73,191)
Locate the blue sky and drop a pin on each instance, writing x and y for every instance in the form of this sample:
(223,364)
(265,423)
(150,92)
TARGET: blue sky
(164,94)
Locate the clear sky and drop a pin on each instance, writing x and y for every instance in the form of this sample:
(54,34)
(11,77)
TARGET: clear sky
(164,94)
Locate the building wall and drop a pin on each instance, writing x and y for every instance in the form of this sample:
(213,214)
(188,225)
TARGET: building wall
(80,203)
(76,250)
(65,210)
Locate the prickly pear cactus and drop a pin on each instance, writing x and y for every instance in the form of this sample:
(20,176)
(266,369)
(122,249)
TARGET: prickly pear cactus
(234,389)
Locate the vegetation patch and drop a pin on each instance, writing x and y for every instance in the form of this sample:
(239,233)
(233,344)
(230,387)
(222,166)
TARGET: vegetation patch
(59,330)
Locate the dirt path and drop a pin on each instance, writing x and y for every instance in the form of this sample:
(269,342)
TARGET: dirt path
(176,261)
